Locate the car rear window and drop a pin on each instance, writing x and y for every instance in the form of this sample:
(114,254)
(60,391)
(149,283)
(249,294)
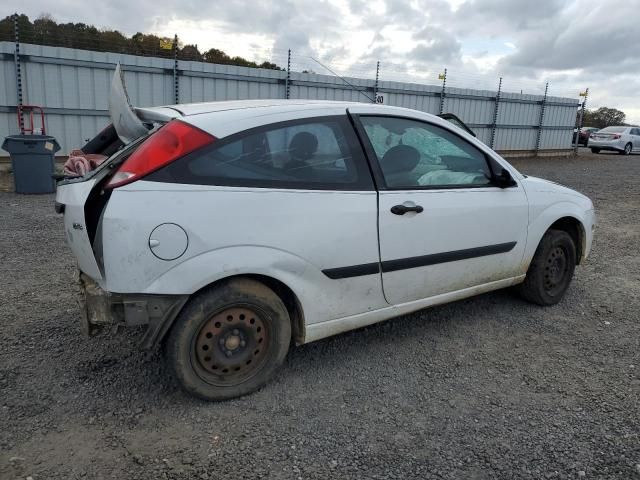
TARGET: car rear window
(321,153)
(612,130)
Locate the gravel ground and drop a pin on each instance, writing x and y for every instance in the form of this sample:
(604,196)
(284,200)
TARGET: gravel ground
(489,387)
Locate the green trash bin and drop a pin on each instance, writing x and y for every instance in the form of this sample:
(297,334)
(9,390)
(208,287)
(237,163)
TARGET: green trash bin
(32,161)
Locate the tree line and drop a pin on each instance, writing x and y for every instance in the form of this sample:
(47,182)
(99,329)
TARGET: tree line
(44,30)
(603,117)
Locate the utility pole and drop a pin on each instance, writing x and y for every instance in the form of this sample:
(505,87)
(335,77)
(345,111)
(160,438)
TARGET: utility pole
(18,70)
(584,94)
(375,88)
(443,77)
(541,121)
(288,79)
(495,114)
(176,86)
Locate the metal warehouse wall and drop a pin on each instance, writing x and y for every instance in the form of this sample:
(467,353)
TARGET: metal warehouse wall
(73,86)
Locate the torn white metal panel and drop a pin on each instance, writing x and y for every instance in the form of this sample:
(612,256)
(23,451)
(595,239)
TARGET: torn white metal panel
(127,124)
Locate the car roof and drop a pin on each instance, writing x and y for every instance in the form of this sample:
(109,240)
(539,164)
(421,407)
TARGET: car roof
(239,109)
(274,105)
(239,115)
(226,117)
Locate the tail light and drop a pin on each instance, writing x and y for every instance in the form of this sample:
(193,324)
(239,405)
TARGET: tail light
(173,141)
(616,136)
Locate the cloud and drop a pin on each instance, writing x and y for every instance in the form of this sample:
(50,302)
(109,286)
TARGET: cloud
(435,45)
(591,34)
(570,43)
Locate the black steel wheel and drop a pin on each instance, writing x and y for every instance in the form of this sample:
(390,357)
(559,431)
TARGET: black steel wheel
(229,340)
(551,269)
(555,271)
(230,346)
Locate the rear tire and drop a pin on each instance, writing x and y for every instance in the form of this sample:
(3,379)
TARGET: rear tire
(229,340)
(595,150)
(627,149)
(551,269)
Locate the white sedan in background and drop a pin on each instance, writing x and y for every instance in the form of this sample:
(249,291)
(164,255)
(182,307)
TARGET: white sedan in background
(624,140)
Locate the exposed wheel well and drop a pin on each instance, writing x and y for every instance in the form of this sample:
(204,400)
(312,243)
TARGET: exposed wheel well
(290,301)
(575,229)
(287,296)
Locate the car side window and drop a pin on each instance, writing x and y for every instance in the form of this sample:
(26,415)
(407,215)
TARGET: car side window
(308,154)
(417,154)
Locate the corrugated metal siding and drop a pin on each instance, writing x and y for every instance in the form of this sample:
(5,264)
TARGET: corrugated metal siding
(477,106)
(8,76)
(483,134)
(511,113)
(8,126)
(73,86)
(515,139)
(72,131)
(471,111)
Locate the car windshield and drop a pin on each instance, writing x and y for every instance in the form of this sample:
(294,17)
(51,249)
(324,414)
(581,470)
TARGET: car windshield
(613,130)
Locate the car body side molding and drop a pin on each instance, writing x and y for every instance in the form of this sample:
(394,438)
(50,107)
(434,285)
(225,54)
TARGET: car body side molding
(352,271)
(414,262)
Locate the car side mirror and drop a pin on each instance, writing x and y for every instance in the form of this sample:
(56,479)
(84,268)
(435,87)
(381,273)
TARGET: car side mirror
(504,179)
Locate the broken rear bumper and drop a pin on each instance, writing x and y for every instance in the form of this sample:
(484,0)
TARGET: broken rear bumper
(102,310)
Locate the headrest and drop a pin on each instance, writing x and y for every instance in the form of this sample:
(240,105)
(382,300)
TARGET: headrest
(303,145)
(401,158)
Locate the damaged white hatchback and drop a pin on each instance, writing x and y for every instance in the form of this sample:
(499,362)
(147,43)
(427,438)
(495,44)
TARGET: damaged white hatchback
(236,229)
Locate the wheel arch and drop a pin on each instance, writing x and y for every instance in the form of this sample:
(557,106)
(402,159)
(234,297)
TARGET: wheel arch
(288,297)
(290,300)
(283,291)
(569,217)
(576,231)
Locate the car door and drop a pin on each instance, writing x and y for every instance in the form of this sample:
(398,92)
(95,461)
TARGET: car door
(635,139)
(443,225)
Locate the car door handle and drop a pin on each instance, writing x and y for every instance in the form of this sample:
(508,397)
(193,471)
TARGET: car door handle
(402,209)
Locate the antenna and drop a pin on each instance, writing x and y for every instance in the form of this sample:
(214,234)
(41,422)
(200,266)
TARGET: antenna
(344,80)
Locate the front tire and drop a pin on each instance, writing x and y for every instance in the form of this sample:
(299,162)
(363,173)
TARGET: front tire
(595,150)
(551,269)
(229,340)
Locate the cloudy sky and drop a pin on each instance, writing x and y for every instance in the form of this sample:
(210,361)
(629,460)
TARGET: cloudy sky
(573,44)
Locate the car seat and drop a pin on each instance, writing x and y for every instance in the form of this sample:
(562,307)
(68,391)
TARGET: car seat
(397,165)
(302,147)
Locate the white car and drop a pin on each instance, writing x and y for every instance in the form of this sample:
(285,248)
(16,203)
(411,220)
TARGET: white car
(624,140)
(234,229)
